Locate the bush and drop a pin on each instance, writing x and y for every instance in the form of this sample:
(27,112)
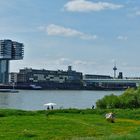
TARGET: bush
(129,99)
(108,101)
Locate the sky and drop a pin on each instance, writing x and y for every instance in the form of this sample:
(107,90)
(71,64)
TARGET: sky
(89,35)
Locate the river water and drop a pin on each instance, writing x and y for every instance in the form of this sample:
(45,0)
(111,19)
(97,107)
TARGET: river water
(35,99)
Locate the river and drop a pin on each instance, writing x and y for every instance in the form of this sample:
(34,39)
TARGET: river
(35,99)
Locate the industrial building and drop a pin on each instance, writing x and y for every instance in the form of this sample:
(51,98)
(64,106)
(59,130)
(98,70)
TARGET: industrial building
(91,76)
(104,82)
(48,79)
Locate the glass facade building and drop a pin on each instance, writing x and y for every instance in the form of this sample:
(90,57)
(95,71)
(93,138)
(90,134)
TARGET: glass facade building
(5,49)
(4,71)
(9,50)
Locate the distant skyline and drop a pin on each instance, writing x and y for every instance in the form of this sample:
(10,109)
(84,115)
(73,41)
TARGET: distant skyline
(89,35)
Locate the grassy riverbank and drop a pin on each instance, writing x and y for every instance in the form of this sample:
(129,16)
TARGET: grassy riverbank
(69,124)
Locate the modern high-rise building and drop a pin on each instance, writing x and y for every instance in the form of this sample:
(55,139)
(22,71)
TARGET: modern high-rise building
(9,50)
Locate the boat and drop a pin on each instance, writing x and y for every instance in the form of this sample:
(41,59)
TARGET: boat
(9,90)
(5,90)
(35,87)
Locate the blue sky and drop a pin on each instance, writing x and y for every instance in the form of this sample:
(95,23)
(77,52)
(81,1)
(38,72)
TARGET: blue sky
(90,35)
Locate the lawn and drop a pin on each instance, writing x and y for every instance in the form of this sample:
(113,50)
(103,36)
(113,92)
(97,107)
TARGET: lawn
(69,124)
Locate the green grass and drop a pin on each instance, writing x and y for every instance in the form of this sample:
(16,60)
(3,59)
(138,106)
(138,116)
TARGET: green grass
(69,124)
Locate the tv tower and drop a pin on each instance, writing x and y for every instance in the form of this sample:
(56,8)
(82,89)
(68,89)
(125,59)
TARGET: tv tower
(115,69)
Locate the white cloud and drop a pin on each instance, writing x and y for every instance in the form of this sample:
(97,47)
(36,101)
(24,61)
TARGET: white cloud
(83,63)
(86,6)
(56,30)
(137,13)
(122,37)
(67,61)
(63,61)
(134,13)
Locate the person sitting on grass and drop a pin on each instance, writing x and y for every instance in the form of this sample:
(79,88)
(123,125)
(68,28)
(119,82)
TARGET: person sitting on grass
(110,117)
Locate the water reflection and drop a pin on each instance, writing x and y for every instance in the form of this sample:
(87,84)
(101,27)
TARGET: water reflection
(4,100)
(10,100)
